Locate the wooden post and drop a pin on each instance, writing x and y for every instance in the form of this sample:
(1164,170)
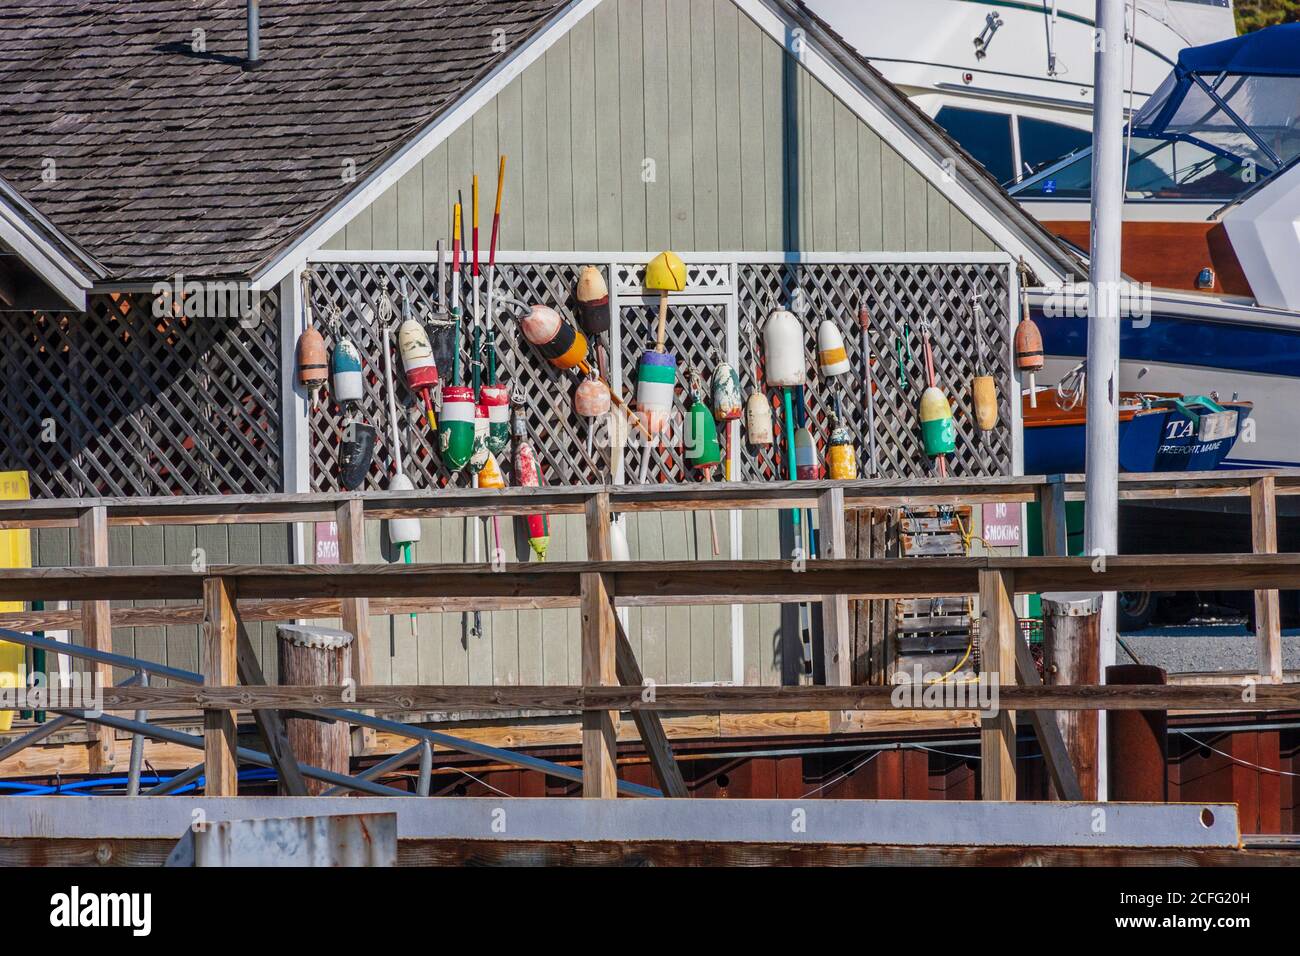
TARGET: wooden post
(220,669)
(599,625)
(836,626)
(315,657)
(1268,617)
(1072,655)
(97,628)
(350,522)
(1051,506)
(998,636)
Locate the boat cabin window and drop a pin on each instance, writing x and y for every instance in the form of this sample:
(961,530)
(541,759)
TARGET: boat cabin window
(1043,143)
(986,136)
(1159,168)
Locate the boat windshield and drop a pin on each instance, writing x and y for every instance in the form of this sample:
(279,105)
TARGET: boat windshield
(1226,117)
(1159,168)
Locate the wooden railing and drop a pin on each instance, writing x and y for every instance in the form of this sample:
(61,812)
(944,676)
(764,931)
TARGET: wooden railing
(228,595)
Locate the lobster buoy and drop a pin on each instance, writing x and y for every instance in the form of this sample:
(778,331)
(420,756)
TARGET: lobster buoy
(783,346)
(313,366)
(832,359)
(656,378)
(456,435)
(593,301)
(807,464)
(345,371)
(985,394)
(937,431)
(703,453)
(356,451)
(479,455)
(489,476)
(417,356)
(591,400)
(527,475)
(495,400)
(842,457)
(758,420)
(618,547)
(402,531)
(562,344)
(1029,349)
(728,406)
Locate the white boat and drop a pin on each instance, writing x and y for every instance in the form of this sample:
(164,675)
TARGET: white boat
(1011,80)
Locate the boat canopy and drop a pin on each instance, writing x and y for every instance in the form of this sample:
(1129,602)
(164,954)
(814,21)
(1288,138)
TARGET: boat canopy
(1227,117)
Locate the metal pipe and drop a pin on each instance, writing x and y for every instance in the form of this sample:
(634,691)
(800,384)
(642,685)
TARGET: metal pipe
(1102,478)
(254,57)
(426,769)
(103,657)
(247,755)
(34,736)
(176,782)
(379,769)
(137,747)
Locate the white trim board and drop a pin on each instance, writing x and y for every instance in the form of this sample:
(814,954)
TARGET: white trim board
(776,26)
(416,256)
(41,256)
(409,155)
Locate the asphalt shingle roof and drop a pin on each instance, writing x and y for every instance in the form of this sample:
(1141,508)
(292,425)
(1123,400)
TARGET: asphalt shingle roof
(169,160)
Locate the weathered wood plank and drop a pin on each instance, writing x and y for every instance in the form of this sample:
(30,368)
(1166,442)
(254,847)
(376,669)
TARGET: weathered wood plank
(998,639)
(1268,617)
(96,623)
(220,642)
(599,626)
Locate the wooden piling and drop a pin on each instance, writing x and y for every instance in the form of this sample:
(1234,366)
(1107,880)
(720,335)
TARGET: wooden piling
(1071,649)
(320,656)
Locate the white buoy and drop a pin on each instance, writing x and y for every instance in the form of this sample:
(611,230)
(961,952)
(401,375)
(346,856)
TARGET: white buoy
(783,346)
(618,547)
(403,530)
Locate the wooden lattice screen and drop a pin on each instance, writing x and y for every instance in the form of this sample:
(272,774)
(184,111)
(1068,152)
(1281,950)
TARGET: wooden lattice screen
(894,292)
(120,401)
(900,298)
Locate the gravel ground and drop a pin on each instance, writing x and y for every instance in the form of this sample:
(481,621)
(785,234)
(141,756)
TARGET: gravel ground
(1195,651)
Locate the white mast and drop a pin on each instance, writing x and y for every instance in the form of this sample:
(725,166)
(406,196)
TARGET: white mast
(1101,535)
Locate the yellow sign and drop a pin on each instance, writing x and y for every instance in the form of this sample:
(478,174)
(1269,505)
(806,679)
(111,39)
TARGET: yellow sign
(15,552)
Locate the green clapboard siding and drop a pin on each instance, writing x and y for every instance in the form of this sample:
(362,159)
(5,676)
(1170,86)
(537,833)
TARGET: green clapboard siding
(670,124)
(143,547)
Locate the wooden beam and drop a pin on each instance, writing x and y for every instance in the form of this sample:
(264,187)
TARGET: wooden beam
(350,521)
(689,699)
(998,638)
(599,624)
(837,629)
(648,723)
(96,626)
(1048,732)
(270,723)
(220,653)
(1268,615)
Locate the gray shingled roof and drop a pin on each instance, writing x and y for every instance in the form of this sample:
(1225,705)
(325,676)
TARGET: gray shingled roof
(168,160)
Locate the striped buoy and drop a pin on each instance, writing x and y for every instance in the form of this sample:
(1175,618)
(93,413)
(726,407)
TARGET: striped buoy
(313,368)
(495,400)
(345,369)
(808,466)
(832,359)
(937,431)
(656,378)
(593,301)
(479,455)
(842,456)
(561,343)
(456,436)
(417,356)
